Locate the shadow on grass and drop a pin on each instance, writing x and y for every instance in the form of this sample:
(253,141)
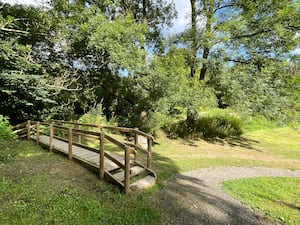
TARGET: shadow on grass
(164,167)
(190,201)
(241,142)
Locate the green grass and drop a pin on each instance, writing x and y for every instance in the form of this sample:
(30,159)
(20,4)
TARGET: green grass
(275,148)
(37,187)
(278,198)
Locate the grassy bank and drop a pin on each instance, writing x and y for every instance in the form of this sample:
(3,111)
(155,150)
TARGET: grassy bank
(42,188)
(277,198)
(37,187)
(276,148)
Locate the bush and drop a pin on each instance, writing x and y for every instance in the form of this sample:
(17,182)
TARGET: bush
(5,129)
(211,125)
(94,116)
(156,121)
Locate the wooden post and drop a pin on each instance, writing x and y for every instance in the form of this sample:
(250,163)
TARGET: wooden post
(127,171)
(79,136)
(70,141)
(149,155)
(63,132)
(51,137)
(136,141)
(38,132)
(28,129)
(101,155)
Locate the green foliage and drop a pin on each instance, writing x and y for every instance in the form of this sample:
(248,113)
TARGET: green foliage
(276,197)
(253,92)
(5,129)
(209,125)
(94,116)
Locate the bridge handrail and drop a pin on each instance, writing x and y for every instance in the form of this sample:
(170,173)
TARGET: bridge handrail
(33,128)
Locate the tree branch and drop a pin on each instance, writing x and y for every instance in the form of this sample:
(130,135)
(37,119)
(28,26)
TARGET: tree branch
(250,35)
(14,30)
(224,6)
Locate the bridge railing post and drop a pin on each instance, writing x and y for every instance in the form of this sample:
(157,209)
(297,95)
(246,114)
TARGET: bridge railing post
(38,132)
(127,171)
(70,141)
(51,136)
(28,129)
(149,154)
(101,154)
(63,132)
(79,136)
(136,140)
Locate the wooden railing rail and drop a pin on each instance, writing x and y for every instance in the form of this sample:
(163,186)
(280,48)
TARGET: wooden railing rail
(56,129)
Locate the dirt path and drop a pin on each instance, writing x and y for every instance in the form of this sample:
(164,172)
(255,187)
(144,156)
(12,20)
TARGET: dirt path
(197,197)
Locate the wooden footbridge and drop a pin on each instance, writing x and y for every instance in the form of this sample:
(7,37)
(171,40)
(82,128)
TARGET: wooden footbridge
(122,162)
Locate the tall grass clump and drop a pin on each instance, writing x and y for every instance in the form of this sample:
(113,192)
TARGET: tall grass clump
(219,123)
(6,154)
(94,116)
(5,129)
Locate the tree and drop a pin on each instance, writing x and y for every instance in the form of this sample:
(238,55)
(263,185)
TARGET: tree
(241,31)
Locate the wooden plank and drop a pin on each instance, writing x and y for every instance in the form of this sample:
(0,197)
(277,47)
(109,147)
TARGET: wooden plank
(138,147)
(82,153)
(70,143)
(62,128)
(20,125)
(101,155)
(115,141)
(83,132)
(121,129)
(127,171)
(113,159)
(136,170)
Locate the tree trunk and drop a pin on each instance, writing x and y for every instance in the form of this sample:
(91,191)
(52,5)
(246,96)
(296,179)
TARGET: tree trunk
(194,38)
(204,65)
(209,16)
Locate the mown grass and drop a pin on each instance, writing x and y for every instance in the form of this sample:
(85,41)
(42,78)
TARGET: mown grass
(276,148)
(278,198)
(37,187)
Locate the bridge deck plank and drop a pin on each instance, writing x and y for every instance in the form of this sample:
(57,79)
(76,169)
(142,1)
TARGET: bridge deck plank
(81,153)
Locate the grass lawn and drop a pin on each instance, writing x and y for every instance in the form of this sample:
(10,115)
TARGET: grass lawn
(37,187)
(278,198)
(276,148)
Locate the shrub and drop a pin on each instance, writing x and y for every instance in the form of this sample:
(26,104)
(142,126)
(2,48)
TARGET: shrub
(156,121)
(211,125)
(94,116)
(5,129)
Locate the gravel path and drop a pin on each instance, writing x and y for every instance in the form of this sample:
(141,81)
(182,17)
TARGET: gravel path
(197,197)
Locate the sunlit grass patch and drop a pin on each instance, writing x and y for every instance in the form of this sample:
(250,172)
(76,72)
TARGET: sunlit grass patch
(278,198)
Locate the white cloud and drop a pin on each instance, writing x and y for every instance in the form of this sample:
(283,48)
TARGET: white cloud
(26,2)
(183,9)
